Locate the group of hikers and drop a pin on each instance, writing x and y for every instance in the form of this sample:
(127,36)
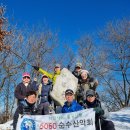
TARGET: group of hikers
(35,99)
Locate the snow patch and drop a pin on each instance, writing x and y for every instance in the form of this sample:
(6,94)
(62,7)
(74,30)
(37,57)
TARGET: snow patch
(121,119)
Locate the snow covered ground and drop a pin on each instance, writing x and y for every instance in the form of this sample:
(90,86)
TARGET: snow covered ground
(6,126)
(120,118)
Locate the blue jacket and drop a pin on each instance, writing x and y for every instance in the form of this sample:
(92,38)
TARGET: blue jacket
(72,108)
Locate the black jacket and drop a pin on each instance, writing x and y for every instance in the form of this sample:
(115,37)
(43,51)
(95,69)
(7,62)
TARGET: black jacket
(24,108)
(99,118)
(21,90)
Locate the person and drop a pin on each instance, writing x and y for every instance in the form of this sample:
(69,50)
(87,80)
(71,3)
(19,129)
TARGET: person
(52,76)
(26,108)
(24,87)
(77,70)
(70,105)
(86,82)
(43,93)
(101,112)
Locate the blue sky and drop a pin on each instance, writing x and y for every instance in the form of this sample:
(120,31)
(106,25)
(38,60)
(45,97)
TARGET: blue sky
(72,18)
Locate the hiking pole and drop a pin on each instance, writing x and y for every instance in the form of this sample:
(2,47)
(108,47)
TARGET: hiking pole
(100,124)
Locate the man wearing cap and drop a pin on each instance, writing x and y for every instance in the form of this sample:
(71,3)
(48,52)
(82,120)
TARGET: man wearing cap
(52,76)
(26,108)
(23,87)
(70,105)
(44,95)
(77,70)
(100,111)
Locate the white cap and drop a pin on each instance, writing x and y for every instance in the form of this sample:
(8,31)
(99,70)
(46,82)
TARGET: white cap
(83,72)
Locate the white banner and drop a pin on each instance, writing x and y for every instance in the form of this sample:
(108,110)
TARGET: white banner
(80,120)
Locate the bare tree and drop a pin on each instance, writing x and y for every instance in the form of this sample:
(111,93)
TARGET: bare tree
(110,62)
(87,53)
(26,48)
(117,81)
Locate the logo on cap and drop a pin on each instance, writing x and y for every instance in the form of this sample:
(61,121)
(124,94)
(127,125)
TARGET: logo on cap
(69,91)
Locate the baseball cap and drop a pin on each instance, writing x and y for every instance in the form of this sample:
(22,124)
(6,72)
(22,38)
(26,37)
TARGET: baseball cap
(57,65)
(78,64)
(25,74)
(69,91)
(90,92)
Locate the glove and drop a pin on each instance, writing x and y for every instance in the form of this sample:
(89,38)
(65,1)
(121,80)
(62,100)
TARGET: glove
(81,103)
(36,67)
(99,111)
(68,67)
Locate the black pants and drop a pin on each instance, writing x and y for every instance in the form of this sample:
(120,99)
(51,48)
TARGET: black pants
(43,108)
(102,124)
(107,125)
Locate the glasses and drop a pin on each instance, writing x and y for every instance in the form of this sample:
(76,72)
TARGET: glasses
(26,77)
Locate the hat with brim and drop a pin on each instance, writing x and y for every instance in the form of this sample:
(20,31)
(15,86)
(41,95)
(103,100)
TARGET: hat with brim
(78,65)
(26,74)
(90,92)
(57,65)
(69,91)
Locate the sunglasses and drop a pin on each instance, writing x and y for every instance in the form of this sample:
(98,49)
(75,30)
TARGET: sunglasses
(26,77)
